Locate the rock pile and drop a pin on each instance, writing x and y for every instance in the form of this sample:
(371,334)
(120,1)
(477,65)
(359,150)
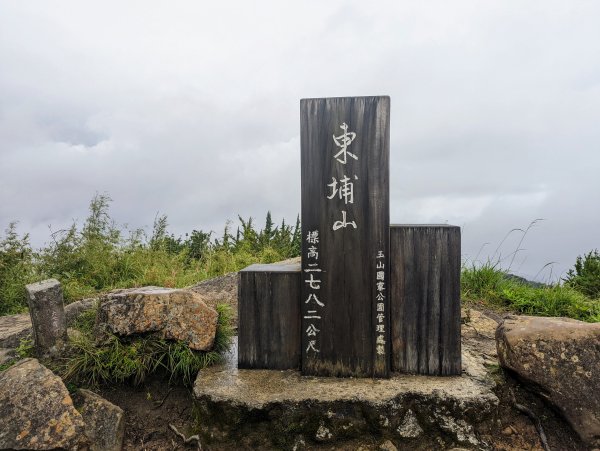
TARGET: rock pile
(36,409)
(37,412)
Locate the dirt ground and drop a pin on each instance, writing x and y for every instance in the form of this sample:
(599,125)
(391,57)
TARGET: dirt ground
(152,408)
(149,410)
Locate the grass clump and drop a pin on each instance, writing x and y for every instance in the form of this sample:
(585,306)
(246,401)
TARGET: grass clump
(132,359)
(495,288)
(553,300)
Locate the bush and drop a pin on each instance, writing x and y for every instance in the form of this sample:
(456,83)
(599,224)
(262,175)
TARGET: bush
(16,270)
(99,258)
(585,277)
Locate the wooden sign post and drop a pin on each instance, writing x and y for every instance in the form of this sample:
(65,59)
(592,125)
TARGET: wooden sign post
(345,279)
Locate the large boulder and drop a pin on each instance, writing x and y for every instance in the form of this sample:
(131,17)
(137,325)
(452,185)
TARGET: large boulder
(104,422)
(173,314)
(560,358)
(36,411)
(220,290)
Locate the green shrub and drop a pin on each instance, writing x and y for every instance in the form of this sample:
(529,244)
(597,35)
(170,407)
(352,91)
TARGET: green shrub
(98,258)
(585,277)
(16,270)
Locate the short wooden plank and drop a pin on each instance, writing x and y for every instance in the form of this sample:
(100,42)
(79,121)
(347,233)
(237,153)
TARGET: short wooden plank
(425,299)
(450,335)
(269,317)
(345,222)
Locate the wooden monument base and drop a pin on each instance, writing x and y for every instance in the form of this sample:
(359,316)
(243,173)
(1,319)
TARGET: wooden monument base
(424,306)
(425,299)
(269,316)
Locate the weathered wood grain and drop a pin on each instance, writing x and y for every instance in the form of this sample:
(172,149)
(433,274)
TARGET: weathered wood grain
(269,317)
(345,344)
(425,299)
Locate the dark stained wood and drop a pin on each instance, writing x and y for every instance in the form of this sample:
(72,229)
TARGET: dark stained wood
(269,317)
(425,299)
(339,338)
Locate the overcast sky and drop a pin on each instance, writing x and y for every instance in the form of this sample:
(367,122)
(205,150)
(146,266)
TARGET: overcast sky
(191,109)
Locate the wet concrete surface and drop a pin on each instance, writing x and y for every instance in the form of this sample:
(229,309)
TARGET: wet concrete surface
(255,388)
(264,408)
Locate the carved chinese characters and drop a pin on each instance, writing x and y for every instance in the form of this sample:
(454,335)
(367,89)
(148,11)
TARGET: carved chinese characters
(345,219)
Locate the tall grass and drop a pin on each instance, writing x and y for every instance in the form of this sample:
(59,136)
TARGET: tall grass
(99,255)
(493,286)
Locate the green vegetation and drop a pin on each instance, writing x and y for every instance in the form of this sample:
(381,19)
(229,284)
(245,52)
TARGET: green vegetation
(100,256)
(493,287)
(585,277)
(16,270)
(132,360)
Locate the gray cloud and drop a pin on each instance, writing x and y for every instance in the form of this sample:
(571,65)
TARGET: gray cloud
(192,111)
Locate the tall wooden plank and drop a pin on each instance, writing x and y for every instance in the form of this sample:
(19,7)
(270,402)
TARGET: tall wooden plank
(345,222)
(425,299)
(269,317)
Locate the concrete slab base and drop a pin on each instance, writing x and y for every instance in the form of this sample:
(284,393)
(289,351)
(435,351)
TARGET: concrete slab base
(285,410)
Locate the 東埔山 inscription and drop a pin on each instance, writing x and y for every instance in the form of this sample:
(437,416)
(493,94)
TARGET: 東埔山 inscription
(345,221)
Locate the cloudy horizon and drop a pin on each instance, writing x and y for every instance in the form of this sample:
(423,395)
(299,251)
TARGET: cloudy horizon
(191,109)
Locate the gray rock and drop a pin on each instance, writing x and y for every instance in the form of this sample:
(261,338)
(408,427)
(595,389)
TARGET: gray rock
(560,358)
(388,446)
(323,434)
(410,427)
(220,290)
(173,314)
(74,309)
(13,328)
(6,355)
(47,313)
(460,429)
(104,422)
(36,411)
